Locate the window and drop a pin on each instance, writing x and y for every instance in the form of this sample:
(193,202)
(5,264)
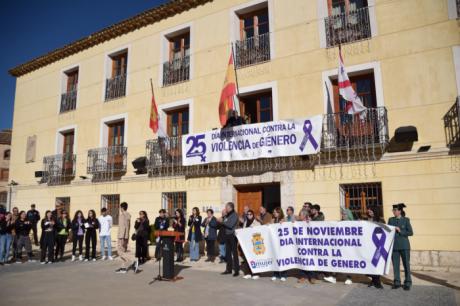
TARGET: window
(116,133)
(177,68)
(3,197)
(174,200)
(364,86)
(359,197)
(253,45)
(112,203)
(178,122)
(116,81)
(256,108)
(65,201)
(4,173)
(67,152)
(7,154)
(69,90)
(347,21)
(254,24)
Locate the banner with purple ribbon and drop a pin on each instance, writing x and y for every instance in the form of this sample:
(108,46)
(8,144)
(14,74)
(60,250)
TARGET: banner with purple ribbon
(253,141)
(357,247)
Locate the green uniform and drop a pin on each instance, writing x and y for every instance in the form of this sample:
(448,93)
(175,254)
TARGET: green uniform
(401,249)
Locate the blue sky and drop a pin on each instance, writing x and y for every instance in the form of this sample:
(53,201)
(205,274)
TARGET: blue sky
(35,27)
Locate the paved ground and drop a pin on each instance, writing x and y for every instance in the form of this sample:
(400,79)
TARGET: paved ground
(96,283)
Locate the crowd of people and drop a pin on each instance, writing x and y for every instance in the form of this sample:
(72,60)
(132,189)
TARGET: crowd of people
(57,229)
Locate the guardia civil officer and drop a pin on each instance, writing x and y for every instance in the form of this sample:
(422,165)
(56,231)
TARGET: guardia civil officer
(401,246)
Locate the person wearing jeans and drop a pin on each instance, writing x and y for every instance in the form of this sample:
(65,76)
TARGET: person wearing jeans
(6,237)
(78,234)
(105,225)
(194,234)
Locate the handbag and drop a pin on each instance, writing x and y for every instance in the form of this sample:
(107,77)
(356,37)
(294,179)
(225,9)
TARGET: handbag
(133,237)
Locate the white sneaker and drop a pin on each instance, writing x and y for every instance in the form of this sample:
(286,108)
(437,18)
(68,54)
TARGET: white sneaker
(136,265)
(274,279)
(348,282)
(86,259)
(247,276)
(103,258)
(330,279)
(73,258)
(255,277)
(43,262)
(283,279)
(80,258)
(110,258)
(94,259)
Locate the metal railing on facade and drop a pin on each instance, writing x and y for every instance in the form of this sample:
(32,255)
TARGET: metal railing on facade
(68,101)
(345,138)
(252,51)
(452,125)
(176,71)
(107,162)
(59,169)
(115,87)
(347,27)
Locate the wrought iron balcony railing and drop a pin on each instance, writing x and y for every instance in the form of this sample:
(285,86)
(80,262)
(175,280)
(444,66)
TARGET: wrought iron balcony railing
(348,27)
(59,169)
(107,161)
(452,125)
(68,101)
(345,138)
(176,71)
(115,87)
(252,51)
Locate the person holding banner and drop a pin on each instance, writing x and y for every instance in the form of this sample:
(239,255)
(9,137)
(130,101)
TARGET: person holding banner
(373,216)
(401,246)
(278,217)
(229,222)
(250,222)
(304,216)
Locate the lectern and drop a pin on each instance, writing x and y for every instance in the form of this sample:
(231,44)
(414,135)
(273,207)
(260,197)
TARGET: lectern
(167,255)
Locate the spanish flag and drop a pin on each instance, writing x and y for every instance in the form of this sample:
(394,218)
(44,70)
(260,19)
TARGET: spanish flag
(154,119)
(228,99)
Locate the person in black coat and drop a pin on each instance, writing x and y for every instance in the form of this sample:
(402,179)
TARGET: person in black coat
(210,234)
(229,222)
(33,216)
(63,225)
(91,226)
(179,226)
(142,227)
(78,234)
(48,226)
(22,229)
(161,224)
(194,234)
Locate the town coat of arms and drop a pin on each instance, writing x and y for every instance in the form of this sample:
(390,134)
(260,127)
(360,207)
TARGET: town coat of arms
(258,245)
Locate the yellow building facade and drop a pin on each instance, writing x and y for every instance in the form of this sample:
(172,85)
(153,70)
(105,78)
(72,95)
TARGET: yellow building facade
(74,105)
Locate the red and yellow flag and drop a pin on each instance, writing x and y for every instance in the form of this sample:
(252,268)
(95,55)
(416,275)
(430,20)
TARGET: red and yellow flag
(154,119)
(227,96)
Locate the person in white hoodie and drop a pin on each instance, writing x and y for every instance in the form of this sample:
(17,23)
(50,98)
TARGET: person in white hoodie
(105,225)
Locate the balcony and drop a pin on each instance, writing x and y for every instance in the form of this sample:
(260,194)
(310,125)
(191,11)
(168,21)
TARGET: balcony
(176,71)
(68,101)
(252,51)
(107,163)
(59,169)
(345,138)
(348,27)
(452,125)
(115,87)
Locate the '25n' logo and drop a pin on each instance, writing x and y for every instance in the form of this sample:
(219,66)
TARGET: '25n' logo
(197,148)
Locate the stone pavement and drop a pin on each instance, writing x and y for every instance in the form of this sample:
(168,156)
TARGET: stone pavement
(80,283)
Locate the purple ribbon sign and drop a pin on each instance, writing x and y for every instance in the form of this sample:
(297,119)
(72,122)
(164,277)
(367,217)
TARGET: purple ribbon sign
(380,245)
(307,128)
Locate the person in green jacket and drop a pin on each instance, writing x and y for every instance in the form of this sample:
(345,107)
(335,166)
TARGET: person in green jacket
(401,246)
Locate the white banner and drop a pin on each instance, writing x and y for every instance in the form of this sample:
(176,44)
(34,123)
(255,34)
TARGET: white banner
(356,247)
(253,141)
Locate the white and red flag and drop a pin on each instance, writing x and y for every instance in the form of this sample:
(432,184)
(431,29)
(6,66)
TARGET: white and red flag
(354,104)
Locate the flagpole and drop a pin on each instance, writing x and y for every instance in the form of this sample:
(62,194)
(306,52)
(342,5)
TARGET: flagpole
(151,85)
(236,75)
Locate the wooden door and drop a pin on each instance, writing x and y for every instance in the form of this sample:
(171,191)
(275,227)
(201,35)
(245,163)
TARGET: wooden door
(251,197)
(67,151)
(115,142)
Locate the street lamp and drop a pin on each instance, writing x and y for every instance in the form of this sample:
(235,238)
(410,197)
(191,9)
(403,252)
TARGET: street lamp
(11,184)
